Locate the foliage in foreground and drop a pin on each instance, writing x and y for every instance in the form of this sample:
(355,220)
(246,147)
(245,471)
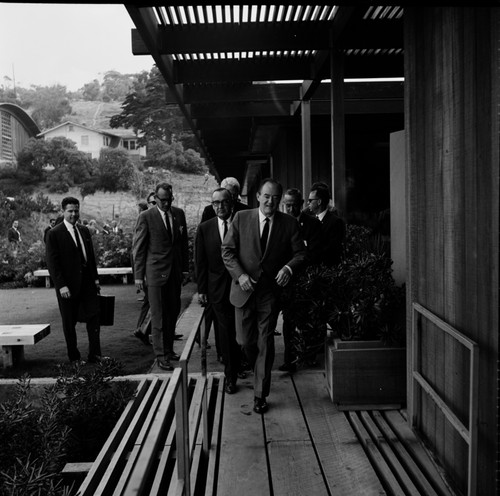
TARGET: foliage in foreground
(69,422)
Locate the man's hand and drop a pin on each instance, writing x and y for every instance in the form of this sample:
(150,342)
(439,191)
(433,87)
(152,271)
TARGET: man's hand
(64,292)
(139,284)
(245,282)
(283,277)
(202,299)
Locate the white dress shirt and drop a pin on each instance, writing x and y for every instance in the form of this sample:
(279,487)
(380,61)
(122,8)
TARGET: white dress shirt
(71,230)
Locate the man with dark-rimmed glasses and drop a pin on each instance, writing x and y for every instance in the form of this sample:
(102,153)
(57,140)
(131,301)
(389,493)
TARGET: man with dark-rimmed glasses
(160,252)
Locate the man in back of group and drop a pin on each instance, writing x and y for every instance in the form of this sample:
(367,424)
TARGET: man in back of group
(233,186)
(262,250)
(160,253)
(333,227)
(311,231)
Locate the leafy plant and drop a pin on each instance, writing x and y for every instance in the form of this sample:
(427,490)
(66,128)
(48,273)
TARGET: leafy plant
(69,422)
(358,299)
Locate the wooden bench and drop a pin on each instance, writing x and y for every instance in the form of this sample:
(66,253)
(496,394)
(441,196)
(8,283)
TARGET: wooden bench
(102,271)
(166,440)
(14,337)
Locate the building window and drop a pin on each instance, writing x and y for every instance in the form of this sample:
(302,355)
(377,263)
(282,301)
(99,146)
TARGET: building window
(105,140)
(71,128)
(129,144)
(6,144)
(85,140)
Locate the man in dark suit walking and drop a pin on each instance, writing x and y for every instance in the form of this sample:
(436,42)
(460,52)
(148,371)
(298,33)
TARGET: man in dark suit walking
(160,254)
(214,282)
(334,228)
(262,250)
(72,267)
(311,231)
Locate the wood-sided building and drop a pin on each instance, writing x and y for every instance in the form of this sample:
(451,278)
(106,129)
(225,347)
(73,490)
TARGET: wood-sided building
(225,68)
(16,128)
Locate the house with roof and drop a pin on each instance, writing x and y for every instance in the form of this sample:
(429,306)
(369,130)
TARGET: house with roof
(91,141)
(16,128)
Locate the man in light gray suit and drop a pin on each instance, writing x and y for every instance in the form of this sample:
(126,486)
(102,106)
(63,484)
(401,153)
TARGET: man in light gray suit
(262,250)
(160,253)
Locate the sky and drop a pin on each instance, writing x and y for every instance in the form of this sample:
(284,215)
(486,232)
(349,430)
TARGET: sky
(69,44)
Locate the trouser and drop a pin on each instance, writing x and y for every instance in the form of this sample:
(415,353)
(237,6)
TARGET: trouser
(255,332)
(165,305)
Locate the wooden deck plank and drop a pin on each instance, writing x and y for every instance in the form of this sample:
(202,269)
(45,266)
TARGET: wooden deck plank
(418,452)
(384,470)
(419,478)
(345,465)
(294,466)
(390,457)
(243,465)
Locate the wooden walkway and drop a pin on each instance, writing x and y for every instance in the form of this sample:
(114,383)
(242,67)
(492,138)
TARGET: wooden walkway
(305,446)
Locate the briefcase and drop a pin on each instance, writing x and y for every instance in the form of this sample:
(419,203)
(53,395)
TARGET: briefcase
(106,310)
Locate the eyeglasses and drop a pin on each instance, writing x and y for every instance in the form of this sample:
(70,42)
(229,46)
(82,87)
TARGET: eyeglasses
(152,202)
(217,204)
(165,200)
(311,200)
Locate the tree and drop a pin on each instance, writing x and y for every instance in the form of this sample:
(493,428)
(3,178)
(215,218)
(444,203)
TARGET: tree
(49,103)
(116,85)
(146,110)
(114,169)
(91,91)
(32,159)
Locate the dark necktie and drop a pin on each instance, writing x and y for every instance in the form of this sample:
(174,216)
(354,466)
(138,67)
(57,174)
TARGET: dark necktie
(79,244)
(265,234)
(167,223)
(225,229)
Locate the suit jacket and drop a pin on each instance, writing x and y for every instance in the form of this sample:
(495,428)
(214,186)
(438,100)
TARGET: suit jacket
(311,231)
(212,276)
(155,254)
(242,254)
(63,257)
(209,212)
(333,235)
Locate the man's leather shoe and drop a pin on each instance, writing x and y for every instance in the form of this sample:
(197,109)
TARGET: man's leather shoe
(178,336)
(143,337)
(260,405)
(242,374)
(230,388)
(174,356)
(165,365)
(288,367)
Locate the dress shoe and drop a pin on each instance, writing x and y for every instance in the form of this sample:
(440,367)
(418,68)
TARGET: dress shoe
(78,362)
(165,365)
(140,335)
(174,357)
(260,405)
(178,336)
(230,388)
(242,374)
(288,367)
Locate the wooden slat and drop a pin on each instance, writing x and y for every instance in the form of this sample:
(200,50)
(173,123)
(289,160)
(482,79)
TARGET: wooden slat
(411,467)
(417,451)
(215,442)
(98,469)
(294,467)
(242,465)
(376,457)
(346,467)
(387,452)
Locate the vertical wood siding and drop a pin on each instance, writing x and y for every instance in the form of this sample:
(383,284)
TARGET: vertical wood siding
(451,84)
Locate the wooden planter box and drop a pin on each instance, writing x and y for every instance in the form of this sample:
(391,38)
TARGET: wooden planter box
(365,374)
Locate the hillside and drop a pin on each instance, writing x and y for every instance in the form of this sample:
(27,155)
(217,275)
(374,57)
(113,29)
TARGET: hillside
(94,114)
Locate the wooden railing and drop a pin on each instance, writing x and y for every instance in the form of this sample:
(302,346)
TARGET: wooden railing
(468,433)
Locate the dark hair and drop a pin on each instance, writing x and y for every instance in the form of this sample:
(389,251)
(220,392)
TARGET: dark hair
(69,200)
(222,190)
(165,186)
(295,192)
(272,181)
(322,192)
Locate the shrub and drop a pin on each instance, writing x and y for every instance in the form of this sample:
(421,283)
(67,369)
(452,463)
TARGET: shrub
(70,422)
(113,250)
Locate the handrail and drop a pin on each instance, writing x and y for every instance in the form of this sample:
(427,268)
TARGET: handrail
(468,433)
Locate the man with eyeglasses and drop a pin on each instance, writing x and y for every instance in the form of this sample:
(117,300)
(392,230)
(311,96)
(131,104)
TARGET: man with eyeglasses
(214,283)
(262,250)
(333,227)
(161,258)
